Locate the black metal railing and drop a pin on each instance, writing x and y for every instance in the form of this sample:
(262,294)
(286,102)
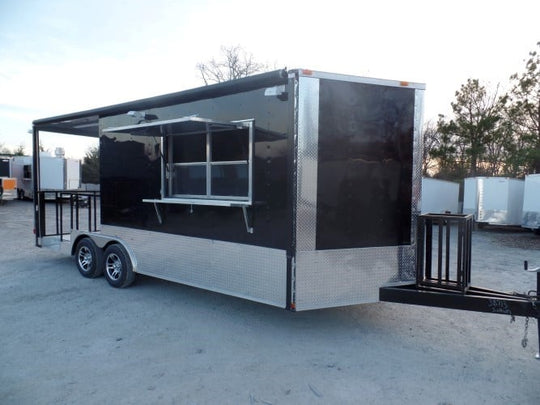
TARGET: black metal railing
(72,210)
(448,238)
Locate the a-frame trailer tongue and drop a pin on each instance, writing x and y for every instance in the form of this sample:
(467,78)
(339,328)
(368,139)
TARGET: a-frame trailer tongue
(443,274)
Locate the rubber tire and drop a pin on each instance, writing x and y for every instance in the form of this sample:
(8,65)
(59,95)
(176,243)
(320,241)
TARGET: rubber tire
(117,266)
(88,257)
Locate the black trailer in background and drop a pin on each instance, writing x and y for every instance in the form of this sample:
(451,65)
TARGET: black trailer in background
(298,189)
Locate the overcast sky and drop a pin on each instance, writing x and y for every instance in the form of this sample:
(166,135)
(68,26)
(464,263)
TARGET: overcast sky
(62,56)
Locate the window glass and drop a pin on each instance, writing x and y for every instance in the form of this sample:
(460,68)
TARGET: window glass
(189,180)
(189,148)
(230,180)
(230,146)
(27,171)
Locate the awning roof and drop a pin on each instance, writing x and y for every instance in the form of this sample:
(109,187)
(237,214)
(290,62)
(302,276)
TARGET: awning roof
(178,126)
(86,123)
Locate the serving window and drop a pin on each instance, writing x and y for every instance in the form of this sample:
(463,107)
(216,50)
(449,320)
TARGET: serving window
(204,161)
(213,165)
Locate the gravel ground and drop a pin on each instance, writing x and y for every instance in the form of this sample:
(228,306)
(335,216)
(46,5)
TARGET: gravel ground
(65,339)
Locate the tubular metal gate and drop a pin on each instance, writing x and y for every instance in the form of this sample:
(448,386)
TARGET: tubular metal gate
(81,213)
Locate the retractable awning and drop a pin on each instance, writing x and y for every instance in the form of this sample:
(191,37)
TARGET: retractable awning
(178,126)
(86,123)
(84,126)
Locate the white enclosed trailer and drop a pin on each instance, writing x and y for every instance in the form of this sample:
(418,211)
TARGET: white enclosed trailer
(57,173)
(494,200)
(439,196)
(8,184)
(531,202)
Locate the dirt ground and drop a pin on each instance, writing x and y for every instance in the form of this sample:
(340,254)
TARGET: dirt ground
(65,339)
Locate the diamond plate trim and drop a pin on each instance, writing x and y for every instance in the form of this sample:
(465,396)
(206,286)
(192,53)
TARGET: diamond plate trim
(308,141)
(330,278)
(245,271)
(418,143)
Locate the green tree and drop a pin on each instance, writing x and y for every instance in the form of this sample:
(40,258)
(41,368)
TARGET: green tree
(524,113)
(90,166)
(474,141)
(235,62)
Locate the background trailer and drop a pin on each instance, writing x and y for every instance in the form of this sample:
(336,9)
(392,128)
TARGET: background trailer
(298,189)
(531,203)
(8,183)
(494,200)
(439,196)
(57,173)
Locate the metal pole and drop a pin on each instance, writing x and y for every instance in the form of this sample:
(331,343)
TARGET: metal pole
(526,267)
(39,207)
(89,213)
(537,319)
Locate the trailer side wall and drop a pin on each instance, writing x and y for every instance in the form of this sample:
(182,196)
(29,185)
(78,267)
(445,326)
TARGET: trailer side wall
(131,168)
(206,246)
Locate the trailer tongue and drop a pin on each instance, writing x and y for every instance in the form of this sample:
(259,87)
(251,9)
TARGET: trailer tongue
(444,280)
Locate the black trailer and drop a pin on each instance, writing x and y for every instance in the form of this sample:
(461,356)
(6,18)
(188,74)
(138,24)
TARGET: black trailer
(294,188)
(299,189)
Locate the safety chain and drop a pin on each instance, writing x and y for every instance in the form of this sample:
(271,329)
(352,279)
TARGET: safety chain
(534,297)
(525,340)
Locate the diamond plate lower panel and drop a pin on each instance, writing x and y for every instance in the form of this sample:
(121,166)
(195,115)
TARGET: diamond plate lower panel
(330,278)
(251,272)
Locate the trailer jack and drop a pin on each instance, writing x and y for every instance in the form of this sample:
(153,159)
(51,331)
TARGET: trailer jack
(449,287)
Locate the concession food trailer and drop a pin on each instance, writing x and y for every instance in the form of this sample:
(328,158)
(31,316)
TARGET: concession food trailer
(295,188)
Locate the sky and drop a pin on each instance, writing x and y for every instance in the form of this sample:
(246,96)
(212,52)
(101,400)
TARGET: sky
(63,56)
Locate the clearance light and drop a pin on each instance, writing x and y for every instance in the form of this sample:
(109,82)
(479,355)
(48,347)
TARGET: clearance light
(307,72)
(404,84)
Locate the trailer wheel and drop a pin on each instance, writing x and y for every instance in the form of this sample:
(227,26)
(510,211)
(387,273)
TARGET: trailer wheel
(88,258)
(117,266)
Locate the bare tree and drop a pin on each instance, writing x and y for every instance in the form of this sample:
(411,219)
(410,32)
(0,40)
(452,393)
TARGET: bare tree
(4,150)
(431,144)
(234,64)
